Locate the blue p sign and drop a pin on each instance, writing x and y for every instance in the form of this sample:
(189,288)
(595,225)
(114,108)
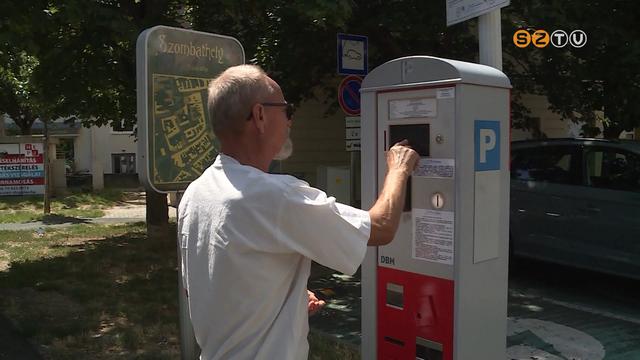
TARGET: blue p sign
(487,145)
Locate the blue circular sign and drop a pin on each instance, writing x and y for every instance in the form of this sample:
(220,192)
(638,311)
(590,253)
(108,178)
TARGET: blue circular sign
(349,95)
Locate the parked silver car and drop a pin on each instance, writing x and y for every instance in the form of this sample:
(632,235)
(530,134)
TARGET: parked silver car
(577,202)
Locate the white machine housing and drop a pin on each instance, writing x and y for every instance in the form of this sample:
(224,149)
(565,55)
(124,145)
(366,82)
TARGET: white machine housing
(455,226)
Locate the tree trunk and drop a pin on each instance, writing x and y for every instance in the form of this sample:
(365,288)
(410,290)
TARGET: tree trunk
(157,217)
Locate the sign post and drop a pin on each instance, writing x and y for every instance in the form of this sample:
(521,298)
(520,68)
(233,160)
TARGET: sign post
(175,137)
(352,58)
(489,29)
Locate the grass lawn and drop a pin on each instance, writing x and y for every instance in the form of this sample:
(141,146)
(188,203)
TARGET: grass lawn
(101,292)
(91,292)
(21,209)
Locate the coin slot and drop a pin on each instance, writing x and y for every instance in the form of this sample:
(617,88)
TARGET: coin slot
(394,341)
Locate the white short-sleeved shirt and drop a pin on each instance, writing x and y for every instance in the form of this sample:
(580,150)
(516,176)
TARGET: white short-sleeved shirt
(247,240)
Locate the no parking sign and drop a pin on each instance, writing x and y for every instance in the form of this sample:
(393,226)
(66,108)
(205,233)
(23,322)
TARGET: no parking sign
(349,95)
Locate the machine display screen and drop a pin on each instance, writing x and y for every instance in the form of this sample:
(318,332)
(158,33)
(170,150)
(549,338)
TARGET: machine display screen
(417,134)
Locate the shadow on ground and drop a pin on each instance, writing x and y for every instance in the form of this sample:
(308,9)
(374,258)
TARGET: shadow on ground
(13,345)
(133,198)
(55,219)
(340,318)
(108,298)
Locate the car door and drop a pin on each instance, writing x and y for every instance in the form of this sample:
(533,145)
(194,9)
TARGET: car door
(542,182)
(608,235)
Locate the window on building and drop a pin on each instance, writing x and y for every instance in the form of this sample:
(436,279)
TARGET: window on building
(65,150)
(124,163)
(122,126)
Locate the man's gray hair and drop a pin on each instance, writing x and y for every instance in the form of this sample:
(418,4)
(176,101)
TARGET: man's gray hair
(232,95)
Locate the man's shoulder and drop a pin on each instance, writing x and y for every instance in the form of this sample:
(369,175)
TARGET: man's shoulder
(286,180)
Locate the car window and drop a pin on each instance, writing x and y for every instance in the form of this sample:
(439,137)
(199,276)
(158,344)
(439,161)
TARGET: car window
(545,163)
(613,169)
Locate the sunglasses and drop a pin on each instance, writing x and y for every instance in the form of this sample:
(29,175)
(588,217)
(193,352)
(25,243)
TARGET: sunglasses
(289,108)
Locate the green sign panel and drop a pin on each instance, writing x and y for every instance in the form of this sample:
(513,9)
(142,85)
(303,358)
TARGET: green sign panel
(174,67)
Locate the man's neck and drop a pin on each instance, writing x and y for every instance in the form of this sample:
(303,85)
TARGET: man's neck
(246,157)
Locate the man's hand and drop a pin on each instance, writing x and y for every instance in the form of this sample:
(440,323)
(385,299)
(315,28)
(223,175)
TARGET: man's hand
(402,157)
(314,304)
(385,213)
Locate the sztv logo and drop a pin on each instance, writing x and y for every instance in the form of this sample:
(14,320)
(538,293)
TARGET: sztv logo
(541,38)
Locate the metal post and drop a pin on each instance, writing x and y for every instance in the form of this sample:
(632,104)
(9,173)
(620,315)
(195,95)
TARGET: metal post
(353,169)
(189,348)
(490,39)
(47,169)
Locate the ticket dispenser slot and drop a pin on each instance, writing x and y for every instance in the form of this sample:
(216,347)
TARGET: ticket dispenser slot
(428,350)
(418,137)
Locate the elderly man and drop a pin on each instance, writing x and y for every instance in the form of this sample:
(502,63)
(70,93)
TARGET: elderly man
(248,237)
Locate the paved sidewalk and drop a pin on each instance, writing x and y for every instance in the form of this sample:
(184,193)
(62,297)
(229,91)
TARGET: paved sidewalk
(119,215)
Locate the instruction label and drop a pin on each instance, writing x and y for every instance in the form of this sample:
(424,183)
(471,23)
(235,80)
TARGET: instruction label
(435,168)
(412,108)
(446,93)
(433,236)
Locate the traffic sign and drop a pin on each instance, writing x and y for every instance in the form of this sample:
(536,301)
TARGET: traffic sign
(352,54)
(349,95)
(462,10)
(352,133)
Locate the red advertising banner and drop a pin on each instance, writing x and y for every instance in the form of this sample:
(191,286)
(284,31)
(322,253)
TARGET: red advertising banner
(21,169)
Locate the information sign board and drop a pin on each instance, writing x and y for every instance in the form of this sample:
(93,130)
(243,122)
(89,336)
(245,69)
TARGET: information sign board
(175,136)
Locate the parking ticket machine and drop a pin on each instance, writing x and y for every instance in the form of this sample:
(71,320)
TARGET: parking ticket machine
(439,290)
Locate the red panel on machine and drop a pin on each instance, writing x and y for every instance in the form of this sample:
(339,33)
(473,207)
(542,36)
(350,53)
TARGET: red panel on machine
(412,306)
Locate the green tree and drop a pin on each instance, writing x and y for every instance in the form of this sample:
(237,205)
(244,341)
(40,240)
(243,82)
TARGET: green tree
(24,33)
(296,41)
(81,57)
(19,99)
(579,82)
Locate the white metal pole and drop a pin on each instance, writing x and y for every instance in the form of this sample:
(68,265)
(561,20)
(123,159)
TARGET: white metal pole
(490,39)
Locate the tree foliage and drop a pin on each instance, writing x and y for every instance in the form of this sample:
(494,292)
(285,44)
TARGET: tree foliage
(19,99)
(77,57)
(84,55)
(296,41)
(579,82)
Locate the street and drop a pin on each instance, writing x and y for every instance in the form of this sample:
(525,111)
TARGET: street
(556,312)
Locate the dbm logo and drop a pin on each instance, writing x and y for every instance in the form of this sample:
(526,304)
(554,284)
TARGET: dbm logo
(541,38)
(487,145)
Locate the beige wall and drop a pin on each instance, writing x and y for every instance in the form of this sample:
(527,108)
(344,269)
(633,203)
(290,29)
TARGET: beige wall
(119,143)
(105,143)
(551,124)
(82,150)
(317,140)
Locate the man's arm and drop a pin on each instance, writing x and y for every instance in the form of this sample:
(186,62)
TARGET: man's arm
(385,213)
